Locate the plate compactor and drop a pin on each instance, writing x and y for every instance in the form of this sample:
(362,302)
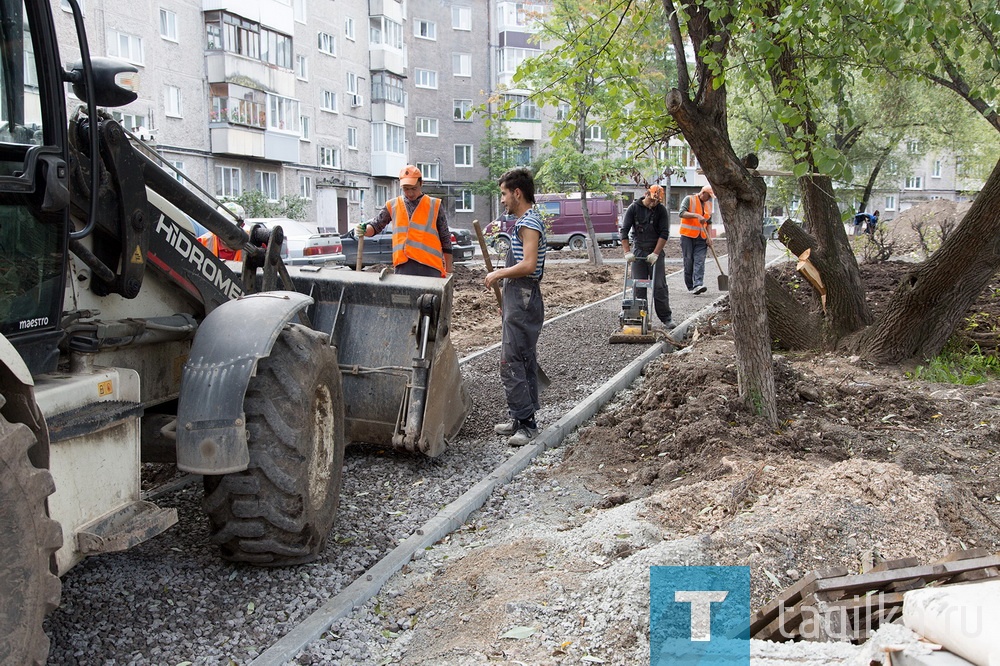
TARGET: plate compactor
(634,317)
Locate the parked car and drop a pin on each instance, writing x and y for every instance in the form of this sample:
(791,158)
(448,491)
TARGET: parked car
(563,213)
(378,248)
(304,243)
(462,247)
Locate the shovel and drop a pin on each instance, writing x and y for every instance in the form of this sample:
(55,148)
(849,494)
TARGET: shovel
(543,379)
(361,247)
(723,278)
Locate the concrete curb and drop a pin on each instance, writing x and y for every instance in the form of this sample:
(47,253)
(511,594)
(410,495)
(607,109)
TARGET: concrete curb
(450,518)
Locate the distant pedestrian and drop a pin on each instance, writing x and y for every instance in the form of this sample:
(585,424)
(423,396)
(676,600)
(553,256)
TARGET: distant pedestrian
(696,236)
(523,310)
(647,225)
(861,221)
(873,224)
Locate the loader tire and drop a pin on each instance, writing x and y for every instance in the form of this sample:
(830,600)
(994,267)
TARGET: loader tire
(280,510)
(28,539)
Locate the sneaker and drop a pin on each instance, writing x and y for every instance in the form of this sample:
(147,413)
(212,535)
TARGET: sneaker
(691,290)
(700,289)
(670,325)
(506,428)
(523,436)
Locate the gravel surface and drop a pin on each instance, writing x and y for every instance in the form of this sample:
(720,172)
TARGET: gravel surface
(173,600)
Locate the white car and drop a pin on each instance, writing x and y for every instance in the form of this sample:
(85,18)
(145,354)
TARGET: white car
(304,243)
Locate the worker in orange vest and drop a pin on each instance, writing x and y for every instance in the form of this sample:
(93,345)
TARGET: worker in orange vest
(211,241)
(696,236)
(421,239)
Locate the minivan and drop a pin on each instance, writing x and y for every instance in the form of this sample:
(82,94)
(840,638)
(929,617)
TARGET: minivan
(563,214)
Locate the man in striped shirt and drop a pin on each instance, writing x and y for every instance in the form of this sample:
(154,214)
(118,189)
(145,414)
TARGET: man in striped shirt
(523,311)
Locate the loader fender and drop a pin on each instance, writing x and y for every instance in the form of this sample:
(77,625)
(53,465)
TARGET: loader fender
(211,424)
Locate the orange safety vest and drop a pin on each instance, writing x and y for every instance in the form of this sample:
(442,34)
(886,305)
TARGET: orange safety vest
(694,228)
(416,238)
(211,241)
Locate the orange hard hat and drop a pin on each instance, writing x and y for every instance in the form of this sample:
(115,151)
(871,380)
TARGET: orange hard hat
(409,175)
(656,192)
(707,190)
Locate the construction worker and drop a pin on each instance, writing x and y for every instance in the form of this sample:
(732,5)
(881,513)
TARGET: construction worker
(696,236)
(421,239)
(211,241)
(647,223)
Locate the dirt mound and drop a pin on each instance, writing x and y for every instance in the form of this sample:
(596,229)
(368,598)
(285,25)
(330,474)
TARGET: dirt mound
(921,228)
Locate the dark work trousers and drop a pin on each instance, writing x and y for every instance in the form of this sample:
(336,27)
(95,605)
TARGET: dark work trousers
(694,250)
(661,295)
(523,314)
(411,267)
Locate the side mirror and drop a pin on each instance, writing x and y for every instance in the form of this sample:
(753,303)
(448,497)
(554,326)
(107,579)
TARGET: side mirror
(115,82)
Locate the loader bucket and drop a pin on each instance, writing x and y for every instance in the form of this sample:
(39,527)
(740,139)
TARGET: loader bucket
(402,383)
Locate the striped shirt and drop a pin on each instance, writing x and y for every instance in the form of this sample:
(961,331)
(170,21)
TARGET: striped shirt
(531,220)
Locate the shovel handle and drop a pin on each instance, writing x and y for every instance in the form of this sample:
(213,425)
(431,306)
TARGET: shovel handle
(716,257)
(361,250)
(486,258)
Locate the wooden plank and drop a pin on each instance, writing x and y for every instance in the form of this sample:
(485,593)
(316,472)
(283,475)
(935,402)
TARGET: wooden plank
(932,572)
(789,597)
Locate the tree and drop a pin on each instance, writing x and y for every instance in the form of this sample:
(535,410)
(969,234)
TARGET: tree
(565,76)
(257,205)
(498,154)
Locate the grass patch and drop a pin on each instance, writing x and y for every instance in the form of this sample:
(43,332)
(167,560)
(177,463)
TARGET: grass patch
(965,368)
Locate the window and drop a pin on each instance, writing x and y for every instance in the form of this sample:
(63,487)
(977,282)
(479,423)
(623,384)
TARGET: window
(305,123)
(510,58)
(228,181)
(65,6)
(465,201)
(521,155)
(329,157)
(463,110)
(521,107)
(425,78)
(238,34)
(276,48)
(267,184)
(125,46)
(890,202)
(327,43)
(424,29)
(562,111)
(179,171)
(168,25)
(429,170)
(302,67)
(518,14)
(427,126)
(329,101)
(595,133)
(463,155)
(388,138)
(381,194)
(299,10)
(914,183)
(913,147)
(461,18)
(305,187)
(237,105)
(936,172)
(384,31)
(352,83)
(128,120)
(283,114)
(173,102)
(388,87)
(349,29)
(461,64)
(352,138)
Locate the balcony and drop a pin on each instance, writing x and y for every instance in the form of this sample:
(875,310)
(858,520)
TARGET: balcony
(223,66)
(236,140)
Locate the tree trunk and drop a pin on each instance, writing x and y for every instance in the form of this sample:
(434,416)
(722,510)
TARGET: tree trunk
(792,327)
(741,200)
(931,301)
(593,248)
(846,309)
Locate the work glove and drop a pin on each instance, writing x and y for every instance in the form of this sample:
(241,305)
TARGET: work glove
(651,258)
(361,229)
(629,257)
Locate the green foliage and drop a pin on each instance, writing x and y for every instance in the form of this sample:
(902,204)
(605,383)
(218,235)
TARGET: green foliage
(257,205)
(497,154)
(954,367)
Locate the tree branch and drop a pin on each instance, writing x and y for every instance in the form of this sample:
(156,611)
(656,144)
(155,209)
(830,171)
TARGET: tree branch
(683,81)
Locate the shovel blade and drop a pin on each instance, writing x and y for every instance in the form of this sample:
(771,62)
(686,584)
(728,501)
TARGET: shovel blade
(723,282)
